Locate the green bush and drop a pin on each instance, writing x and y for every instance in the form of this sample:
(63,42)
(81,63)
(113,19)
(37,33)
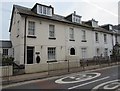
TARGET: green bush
(7,60)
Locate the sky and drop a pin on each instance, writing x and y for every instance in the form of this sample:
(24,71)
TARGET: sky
(103,11)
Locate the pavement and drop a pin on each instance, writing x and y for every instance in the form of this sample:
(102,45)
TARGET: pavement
(34,76)
(103,79)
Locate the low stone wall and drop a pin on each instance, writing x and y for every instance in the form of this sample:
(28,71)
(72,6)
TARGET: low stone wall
(6,71)
(58,65)
(33,68)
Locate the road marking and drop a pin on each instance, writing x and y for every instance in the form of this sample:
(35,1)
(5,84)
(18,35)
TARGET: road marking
(98,86)
(81,77)
(88,83)
(38,80)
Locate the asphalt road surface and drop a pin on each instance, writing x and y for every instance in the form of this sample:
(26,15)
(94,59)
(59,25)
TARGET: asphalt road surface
(94,80)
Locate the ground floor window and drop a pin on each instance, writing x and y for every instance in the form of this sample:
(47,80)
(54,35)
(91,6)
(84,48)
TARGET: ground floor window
(5,52)
(51,53)
(97,52)
(106,52)
(84,52)
(72,51)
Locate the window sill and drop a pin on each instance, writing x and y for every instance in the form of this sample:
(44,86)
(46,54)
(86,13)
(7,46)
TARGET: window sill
(51,61)
(29,36)
(71,40)
(84,41)
(97,41)
(52,38)
(105,42)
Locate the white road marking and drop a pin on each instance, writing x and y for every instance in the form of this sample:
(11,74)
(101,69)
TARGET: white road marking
(117,84)
(88,83)
(60,81)
(34,81)
(98,86)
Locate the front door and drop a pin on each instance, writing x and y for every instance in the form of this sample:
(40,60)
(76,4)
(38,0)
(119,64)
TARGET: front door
(30,51)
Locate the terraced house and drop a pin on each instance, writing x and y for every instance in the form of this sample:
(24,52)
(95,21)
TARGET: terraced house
(38,31)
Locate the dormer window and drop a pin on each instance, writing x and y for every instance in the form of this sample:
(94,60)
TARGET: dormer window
(94,23)
(76,18)
(43,9)
(110,27)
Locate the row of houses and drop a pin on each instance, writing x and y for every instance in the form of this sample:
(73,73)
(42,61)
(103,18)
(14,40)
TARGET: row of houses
(38,31)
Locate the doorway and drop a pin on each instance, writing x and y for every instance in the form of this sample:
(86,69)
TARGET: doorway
(30,52)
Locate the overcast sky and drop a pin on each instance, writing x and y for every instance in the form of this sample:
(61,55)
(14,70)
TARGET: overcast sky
(103,11)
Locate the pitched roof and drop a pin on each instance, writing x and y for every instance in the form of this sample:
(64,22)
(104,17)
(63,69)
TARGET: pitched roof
(28,11)
(5,44)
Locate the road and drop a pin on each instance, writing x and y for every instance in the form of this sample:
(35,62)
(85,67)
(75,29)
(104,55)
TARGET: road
(94,80)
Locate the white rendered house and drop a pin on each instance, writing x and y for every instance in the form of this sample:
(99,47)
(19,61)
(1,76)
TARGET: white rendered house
(40,32)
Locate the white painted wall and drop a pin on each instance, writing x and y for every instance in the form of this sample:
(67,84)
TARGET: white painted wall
(62,43)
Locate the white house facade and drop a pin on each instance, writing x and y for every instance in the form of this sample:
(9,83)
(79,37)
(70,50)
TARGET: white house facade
(39,32)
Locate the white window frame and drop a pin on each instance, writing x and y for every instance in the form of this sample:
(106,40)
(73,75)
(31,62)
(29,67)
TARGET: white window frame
(51,31)
(18,27)
(83,35)
(51,53)
(31,28)
(71,33)
(5,52)
(105,38)
(97,51)
(96,37)
(105,52)
(84,52)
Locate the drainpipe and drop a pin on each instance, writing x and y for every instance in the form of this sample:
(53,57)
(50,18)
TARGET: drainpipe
(25,39)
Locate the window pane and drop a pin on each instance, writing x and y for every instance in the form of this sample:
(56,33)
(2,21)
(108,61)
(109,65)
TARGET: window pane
(72,33)
(84,52)
(31,28)
(72,51)
(44,10)
(5,51)
(83,35)
(51,53)
(51,31)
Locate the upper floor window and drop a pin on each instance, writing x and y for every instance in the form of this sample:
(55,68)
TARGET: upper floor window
(44,10)
(96,37)
(105,38)
(71,34)
(52,31)
(5,52)
(83,35)
(31,28)
(18,27)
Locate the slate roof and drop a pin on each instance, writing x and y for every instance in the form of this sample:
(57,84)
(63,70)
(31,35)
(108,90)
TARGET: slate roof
(28,11)
(5,44)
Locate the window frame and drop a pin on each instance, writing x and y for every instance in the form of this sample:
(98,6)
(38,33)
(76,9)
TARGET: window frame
(72,51)
(96,37)
(31,28)
(53,51)
(52,31)
(105,38)
(83,36)
(71,34)
(105,52)
(83,52)
(5,52)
